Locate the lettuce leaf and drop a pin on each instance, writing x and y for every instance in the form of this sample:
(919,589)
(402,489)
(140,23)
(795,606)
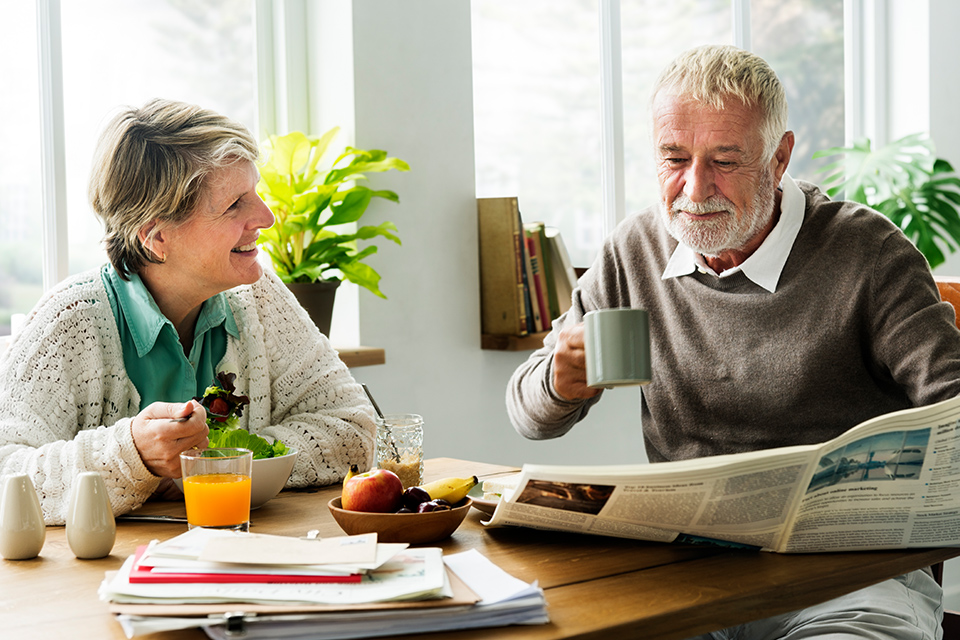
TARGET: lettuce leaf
(242,439)
(224,408)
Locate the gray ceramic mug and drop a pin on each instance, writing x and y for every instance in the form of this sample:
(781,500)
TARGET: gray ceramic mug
(617,343)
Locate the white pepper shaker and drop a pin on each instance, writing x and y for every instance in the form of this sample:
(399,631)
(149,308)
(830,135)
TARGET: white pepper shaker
(22,530)
(91,527)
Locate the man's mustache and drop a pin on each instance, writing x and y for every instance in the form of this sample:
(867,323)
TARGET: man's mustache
(713,204)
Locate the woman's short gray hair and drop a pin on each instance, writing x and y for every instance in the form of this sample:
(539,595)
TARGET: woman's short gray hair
(713,74)
(150,166)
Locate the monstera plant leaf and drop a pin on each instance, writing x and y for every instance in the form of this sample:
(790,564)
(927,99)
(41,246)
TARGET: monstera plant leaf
(906,182)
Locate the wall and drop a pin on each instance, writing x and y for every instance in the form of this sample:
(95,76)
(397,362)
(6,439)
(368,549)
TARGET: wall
(923,92)
(943,50)
(413,97)
(943,78)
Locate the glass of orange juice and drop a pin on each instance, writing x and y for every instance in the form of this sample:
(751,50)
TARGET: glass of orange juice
(216,487)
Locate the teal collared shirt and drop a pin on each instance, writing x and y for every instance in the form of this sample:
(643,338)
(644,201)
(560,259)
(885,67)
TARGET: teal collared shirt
(152,353)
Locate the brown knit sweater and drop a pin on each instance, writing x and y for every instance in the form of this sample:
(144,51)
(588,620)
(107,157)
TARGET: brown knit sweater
(855,329)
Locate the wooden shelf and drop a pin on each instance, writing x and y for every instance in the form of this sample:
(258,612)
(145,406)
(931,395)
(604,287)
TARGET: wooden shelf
(529,342)
(361,356)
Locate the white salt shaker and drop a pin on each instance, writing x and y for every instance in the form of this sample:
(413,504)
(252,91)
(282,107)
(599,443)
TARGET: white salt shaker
(22,531)
(91,528)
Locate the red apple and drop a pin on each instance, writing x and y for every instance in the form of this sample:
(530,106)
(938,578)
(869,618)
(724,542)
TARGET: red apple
(376,491)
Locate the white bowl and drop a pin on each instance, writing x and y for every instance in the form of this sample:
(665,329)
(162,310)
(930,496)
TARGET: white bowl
(269,476)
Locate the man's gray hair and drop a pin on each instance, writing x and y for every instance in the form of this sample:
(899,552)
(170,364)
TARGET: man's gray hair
(713,74)
(151,165)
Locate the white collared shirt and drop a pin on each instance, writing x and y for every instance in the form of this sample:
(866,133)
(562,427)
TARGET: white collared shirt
(764,265)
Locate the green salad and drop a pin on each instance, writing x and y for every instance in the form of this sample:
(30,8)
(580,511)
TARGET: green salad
(224,408)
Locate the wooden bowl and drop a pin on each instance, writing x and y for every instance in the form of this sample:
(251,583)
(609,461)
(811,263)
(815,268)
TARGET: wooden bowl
(413,528)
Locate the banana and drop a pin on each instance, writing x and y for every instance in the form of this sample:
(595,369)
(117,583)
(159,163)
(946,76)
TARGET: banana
(354,470)
(453,490)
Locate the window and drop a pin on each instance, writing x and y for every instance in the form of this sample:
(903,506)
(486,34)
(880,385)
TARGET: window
(119,53)
(537,94)
(21,225)
(803,42)
(537,112)
(114,53)
(648,46)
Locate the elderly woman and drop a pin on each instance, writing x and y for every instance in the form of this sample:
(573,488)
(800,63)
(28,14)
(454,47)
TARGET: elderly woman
(102,375)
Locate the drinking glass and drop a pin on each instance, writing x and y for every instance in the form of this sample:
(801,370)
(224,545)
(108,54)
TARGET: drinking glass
(216,487)
(400,446)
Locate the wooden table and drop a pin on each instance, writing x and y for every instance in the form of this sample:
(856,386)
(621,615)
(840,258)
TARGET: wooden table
(596,587)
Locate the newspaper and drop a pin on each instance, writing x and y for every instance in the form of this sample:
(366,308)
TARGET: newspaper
(891,482)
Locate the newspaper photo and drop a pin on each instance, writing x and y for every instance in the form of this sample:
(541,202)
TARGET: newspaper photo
(888,483)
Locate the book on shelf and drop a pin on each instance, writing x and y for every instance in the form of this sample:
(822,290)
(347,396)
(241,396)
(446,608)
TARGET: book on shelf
(887,483)
(526,279)
(537,230)
(559,278)
(537,289)
(564,277)
(524,261)
(503,297)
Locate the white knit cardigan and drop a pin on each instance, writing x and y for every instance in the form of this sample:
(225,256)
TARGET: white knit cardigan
(66,402)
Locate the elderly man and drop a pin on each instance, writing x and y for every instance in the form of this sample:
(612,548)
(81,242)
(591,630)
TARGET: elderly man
(777,316)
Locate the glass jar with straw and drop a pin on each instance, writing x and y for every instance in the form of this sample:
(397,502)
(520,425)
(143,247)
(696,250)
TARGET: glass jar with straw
(399,444)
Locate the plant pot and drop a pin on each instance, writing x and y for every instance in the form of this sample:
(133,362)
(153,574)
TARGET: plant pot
(317,298)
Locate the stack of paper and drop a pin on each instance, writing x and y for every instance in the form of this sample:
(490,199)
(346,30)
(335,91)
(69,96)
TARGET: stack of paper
(327,570)
(505,601)
(210,556)
(346,587)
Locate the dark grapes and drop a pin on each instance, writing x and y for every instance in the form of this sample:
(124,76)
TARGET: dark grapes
(413,497)
(433,505)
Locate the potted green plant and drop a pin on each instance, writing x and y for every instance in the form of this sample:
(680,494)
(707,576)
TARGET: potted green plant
(309,245)
(906,182)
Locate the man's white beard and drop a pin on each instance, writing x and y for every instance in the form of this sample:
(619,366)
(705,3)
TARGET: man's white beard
(726,232)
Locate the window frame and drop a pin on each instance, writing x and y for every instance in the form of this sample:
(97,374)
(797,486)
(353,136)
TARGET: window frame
(864,86)
(281,62)
(282,72)
(53,189)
